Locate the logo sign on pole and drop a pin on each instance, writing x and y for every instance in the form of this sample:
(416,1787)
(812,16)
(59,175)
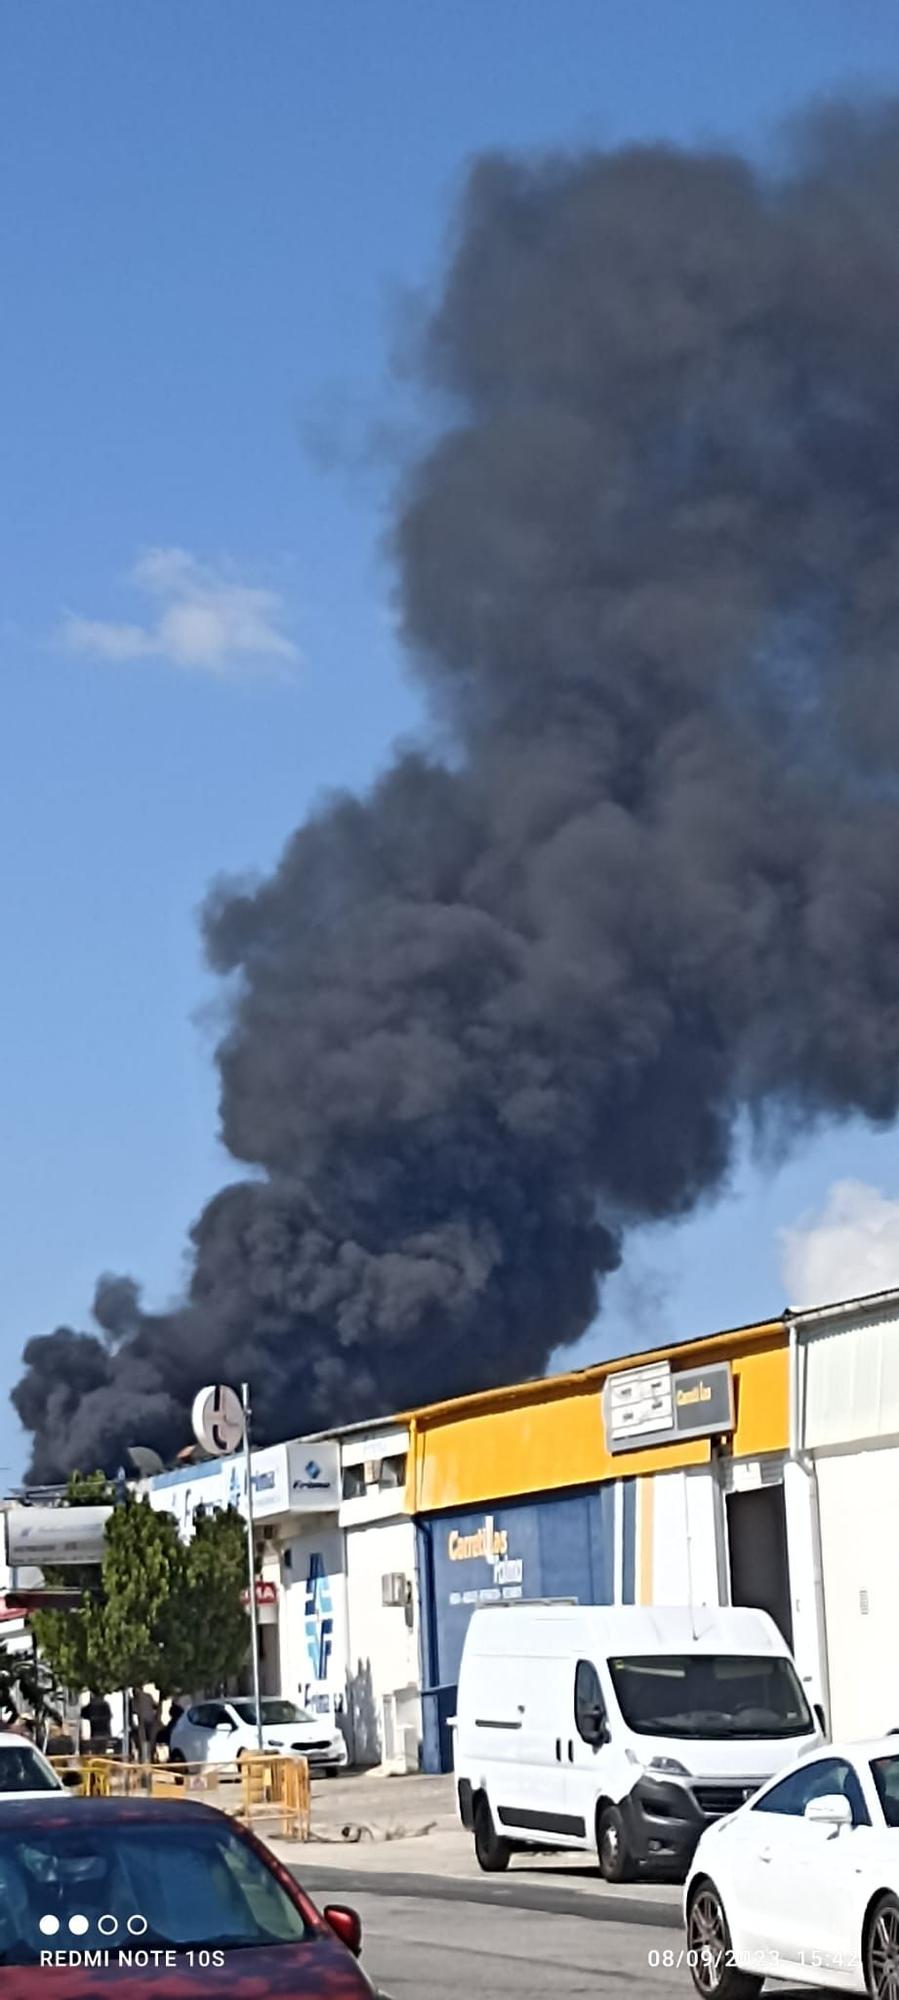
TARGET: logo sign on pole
(217,1419)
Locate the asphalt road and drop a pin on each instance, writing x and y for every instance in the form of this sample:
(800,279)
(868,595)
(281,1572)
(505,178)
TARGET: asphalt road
(432,1940)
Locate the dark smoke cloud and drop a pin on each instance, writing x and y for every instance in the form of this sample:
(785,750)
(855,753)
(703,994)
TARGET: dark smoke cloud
(511,1003)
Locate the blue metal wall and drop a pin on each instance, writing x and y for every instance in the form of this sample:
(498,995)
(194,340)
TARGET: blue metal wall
(565,1546)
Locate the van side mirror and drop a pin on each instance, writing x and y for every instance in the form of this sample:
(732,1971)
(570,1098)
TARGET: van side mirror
(820,1717)
(594,1726)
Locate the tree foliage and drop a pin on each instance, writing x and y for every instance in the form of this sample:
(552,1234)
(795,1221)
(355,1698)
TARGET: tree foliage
(160,1613)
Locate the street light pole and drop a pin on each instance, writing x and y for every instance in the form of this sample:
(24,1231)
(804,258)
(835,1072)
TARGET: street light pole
(251,1555)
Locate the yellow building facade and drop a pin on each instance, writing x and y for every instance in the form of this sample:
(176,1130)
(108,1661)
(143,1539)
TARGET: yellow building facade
(658,1478)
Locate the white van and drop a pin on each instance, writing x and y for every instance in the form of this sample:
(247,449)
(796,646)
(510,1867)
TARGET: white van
(621,1730)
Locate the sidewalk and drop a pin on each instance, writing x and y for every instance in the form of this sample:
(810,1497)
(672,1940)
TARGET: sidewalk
(370,1807)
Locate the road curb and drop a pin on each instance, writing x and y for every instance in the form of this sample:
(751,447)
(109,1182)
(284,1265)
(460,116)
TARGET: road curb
(512,1893)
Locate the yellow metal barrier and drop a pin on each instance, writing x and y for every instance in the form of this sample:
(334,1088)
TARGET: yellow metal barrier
(261,1790)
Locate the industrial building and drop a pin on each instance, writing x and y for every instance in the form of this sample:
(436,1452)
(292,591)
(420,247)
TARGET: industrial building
(758,1466)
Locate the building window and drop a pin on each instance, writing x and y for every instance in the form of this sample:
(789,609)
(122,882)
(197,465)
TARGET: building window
(354,1482)
(393,1471)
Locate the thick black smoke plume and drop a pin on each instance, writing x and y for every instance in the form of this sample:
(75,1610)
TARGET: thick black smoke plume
(514,1000)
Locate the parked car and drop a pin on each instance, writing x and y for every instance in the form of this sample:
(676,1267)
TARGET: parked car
(623,1730)
(802,1883)
(25,1772)
(177,1890)
(221,1732)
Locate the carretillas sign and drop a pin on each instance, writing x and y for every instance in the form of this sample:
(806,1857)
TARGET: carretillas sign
(488,1544)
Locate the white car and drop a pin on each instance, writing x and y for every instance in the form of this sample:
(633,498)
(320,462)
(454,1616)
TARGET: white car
(25,1772)
(220,1732)
(802,1883)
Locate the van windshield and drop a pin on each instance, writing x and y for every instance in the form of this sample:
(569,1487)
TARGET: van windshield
(709,1694)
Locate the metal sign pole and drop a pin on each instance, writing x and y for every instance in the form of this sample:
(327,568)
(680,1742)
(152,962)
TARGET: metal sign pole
(251,1555)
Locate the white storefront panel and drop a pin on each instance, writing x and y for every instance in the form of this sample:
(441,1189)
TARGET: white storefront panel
(685,1567)
(312,1620)
(383,1660)
(859,1503)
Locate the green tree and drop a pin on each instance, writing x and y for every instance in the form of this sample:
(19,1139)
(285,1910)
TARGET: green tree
(160,1613)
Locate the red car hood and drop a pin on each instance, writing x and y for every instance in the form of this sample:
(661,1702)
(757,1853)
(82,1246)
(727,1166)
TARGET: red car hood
(318,1969)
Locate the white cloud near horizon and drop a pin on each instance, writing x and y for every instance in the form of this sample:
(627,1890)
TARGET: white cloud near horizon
(849,1247)
(205,621)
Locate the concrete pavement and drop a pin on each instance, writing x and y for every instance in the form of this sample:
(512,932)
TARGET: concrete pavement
(382,1807)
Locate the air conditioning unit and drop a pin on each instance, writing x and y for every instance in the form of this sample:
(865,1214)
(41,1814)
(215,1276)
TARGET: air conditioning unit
(372,1471)
(393,1588)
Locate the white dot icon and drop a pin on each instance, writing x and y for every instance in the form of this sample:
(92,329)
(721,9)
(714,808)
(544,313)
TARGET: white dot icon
(78,1926)
(137,1926)
(108,1925)
(49,1926)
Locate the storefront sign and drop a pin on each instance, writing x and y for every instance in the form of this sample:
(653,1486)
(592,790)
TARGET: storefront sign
(654,1405)
(486,1545)
(266,1601)
(704,1401)
(266,1593)
(313,1477)
(288,1479)
(55,1536)
(637,1405)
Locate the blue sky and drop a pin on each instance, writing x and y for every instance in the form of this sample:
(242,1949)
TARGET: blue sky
(213,215)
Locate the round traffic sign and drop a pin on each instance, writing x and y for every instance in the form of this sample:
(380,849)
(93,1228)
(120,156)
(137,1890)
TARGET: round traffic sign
(217,1419)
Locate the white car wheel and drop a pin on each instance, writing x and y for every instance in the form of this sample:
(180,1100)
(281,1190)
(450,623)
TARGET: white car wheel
(714,1974)
(882,1951)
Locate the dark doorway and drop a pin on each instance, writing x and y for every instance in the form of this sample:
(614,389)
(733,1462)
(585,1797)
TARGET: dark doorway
(757,1547)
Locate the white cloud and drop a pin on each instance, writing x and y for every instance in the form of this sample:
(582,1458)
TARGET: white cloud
(846,1249)
(205,620)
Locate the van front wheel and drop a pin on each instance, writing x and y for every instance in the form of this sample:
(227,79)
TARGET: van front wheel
(615,1859)
(493,1854)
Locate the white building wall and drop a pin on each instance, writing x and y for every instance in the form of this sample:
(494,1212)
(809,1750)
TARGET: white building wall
(383,1671)
(685,1538)
(383,1643)
(847,1422)
(859,1503)
(849,1382)
(806,1587)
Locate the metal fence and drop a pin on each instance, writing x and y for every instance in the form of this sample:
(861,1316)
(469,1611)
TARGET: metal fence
(269,1793)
